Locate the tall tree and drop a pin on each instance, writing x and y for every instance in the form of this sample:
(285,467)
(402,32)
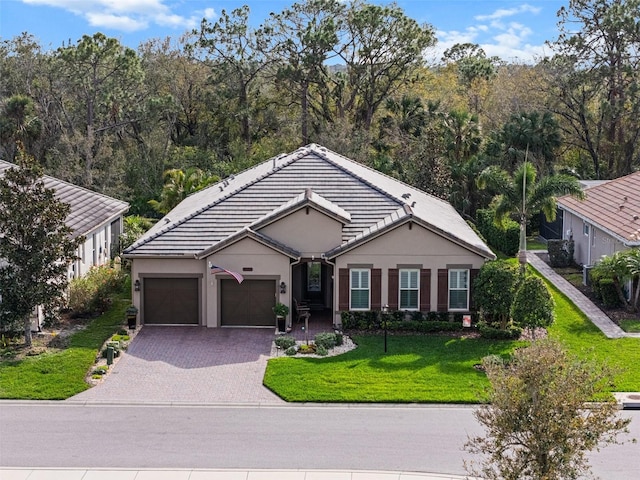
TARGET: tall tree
(535,421)
(382,49)
(237,56)
(178,185)
(596,75)
(304,37)
(102,78)
(35,244)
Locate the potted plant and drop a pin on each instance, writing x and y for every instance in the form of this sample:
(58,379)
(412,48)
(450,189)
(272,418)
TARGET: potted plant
(281,311)
(132,314)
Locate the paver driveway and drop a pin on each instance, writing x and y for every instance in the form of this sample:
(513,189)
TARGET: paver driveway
(189,364)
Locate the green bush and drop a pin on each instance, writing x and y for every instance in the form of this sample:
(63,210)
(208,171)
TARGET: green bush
(494,289)
(507,240)
(533,305)
(321,350)
(291,351)
(326,339)
(339,339)
(608,293)
(560,252)
(512,332)
(285,342)
(89,295)
(117,348)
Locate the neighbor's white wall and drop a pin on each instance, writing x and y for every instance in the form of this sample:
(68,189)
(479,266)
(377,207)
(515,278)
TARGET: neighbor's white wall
(588,250)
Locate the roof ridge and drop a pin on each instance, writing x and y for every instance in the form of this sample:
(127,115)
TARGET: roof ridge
(296,155)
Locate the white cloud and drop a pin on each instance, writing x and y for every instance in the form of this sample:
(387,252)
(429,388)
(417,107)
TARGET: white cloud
(115,22)
(123,15)
(498,37)
(508,12)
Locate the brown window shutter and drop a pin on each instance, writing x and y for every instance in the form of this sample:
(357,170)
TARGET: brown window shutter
(443,289)
(472,276)
(393,289)
(343,289)
(376,289)
(425,290)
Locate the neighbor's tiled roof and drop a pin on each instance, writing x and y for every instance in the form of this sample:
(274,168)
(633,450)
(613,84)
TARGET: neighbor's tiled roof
(613,206)
(89,210)
(357,195)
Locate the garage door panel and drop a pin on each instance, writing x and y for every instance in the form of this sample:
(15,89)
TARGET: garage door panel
(171,301)
(247,304)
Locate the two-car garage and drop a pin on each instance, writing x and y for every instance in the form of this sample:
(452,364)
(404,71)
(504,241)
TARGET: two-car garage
(176,301)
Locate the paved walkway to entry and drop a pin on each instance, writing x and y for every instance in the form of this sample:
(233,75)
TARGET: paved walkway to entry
(597,316)
(189,364)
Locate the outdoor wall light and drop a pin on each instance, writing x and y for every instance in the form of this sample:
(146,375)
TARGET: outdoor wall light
(283,287)
(136,285)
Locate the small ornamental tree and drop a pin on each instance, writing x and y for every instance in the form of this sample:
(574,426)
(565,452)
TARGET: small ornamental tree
(533,305)
(35,244)
(536,423)
(493,291)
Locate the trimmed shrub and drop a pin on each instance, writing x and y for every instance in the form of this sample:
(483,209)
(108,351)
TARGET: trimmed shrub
(512,332)
(494,289)
(608,293)
(533,305)
(506,240)
(560,252)
(325,339)
(285,342)
(291,351)
(321,350)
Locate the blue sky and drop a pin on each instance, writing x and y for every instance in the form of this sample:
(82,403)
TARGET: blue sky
(512,30)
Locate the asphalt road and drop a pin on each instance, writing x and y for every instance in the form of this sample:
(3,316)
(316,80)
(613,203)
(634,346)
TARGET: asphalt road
(408,438)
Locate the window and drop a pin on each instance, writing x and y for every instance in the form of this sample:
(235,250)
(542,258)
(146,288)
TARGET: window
(409,288)
(585,229)
(314,272)
(458,289)
(359,286)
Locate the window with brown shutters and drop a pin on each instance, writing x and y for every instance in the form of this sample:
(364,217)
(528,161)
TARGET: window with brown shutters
(393,289)
(425,290)
(443,289)
(343,289)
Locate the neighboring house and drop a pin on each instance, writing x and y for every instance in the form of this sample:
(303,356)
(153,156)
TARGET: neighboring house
(94,216)
(310,225)
(554,230)
(606,221)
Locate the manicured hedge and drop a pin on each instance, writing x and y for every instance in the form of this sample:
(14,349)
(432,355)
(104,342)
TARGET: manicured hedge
(401,321)
(507,240)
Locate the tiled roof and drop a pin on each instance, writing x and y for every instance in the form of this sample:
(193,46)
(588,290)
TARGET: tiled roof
(89,210)
(613,206)
(358,196)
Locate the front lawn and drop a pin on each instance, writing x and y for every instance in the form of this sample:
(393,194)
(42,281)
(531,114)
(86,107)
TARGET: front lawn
(61,374)
(435,369)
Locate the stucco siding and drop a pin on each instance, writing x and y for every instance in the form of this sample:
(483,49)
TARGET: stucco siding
(253,261)
(307,230)
(415,247)
(589,249)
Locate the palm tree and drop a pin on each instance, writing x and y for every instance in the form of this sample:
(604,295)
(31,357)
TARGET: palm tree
(521,195)
(178,185)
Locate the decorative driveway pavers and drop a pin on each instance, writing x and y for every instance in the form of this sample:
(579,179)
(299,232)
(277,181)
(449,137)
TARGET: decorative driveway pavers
(190,365)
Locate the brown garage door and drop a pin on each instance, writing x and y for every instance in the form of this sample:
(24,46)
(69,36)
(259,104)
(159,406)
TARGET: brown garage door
(249,303)
(171,301)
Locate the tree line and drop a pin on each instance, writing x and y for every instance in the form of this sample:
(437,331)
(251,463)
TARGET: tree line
(360,79)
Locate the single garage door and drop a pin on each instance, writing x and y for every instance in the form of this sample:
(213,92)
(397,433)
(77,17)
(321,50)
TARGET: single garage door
(171,301)
(248,304)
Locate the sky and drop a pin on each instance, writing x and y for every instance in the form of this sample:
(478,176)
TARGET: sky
(515,31)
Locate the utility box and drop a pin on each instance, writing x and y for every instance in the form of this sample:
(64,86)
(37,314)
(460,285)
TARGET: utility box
(132,317)
(586,274)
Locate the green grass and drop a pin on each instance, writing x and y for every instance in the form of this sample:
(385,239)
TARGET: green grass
(56,376)
(534,244)
(631,325)
(433,369)
(583,338)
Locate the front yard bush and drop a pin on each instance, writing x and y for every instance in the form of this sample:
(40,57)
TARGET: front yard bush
(400,321)
(506,240)
(489,331)
(90,295)
(285,342)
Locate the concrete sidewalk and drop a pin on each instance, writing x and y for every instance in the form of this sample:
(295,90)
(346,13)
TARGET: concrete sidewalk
(200,474)
(597,316)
